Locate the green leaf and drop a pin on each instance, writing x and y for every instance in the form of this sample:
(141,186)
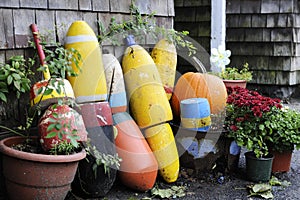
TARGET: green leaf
(3,97)
(16,76)
(51,126)
(9,79)
(51,135)
(48,91)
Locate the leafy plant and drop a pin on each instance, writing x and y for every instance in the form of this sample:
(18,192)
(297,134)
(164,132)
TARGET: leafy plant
(106,160)
(232,73)
(141,25)
(248,116)
(15,76)
(284,129)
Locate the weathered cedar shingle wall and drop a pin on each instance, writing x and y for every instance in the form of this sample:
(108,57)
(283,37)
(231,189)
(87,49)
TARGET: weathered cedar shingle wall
(265,33)
(195,17)
(17,15)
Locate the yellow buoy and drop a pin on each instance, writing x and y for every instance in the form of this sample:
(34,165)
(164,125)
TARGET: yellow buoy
(147,99)
(90,84)
(161,141)
(165,57)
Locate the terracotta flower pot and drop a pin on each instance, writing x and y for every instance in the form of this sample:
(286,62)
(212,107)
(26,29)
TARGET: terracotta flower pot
(235,83)
(281,161)
(37,176)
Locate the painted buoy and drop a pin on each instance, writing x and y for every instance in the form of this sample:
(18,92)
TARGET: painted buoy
(165,57)
(115,84)
(37,95)
(147,98)
(195,114)
(68,118)
(90,84)
(139,167)
(162,142)
(92,180)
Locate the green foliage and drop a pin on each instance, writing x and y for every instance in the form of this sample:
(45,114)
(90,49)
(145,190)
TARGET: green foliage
(63,148)
(106,160)
(141,26)
(283,127)
(15,77)
(232,73)
(261,123)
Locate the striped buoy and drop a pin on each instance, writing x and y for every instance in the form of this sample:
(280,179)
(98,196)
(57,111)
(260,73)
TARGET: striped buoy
(115,84)
(90,84)
(195,114)
(139,167)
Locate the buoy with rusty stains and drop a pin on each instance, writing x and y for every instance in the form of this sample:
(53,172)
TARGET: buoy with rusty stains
(64,120)
(147,98)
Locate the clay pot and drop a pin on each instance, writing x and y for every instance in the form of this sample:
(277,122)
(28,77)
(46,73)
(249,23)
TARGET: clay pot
(281,161)
(235,83)
(37,176)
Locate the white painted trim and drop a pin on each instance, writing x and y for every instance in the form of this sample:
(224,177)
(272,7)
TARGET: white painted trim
(80,38)
(218,25)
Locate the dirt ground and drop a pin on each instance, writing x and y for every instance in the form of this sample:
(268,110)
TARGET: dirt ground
(216,185)
(209,185)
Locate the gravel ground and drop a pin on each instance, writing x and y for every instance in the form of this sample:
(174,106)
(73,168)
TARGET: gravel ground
(208,185)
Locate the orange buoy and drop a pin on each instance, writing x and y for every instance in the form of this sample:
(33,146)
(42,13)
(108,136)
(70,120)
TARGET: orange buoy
(138,169)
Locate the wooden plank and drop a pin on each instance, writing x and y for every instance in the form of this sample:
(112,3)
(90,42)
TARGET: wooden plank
(91,19)
(22,19)
(65,4)
(33,4)
(9,3)
(120,6)
(6,29)
(101,5)
(85,4)
(45,21)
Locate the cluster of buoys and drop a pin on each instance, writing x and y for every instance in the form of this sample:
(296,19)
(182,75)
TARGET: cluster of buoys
(68,117)
(137,98)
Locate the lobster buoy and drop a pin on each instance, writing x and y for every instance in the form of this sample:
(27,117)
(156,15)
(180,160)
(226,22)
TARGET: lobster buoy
(37,91)
(147,98)
(162,142)
(165,57)
(115,84)
(90,84)
(138,169)
(65,117)
(195,114)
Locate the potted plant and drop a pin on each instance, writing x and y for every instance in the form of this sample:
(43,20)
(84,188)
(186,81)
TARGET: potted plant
(283,126)
(25,160)
(248,123)
(232,76)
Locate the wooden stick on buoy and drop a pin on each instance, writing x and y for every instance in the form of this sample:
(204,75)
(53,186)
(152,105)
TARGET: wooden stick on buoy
(37,90)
